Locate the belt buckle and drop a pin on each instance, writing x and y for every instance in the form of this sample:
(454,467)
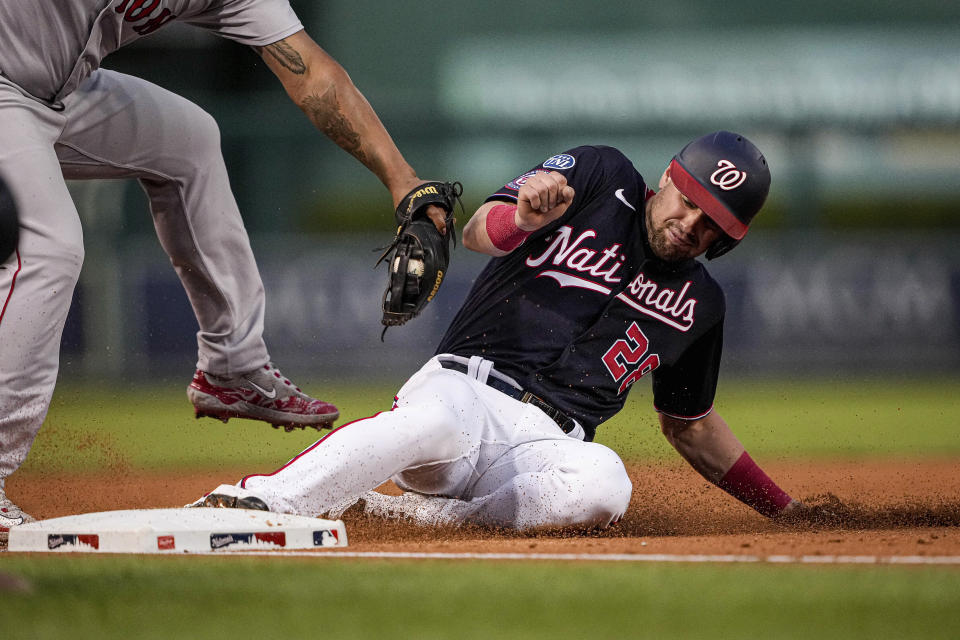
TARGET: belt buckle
(565,422)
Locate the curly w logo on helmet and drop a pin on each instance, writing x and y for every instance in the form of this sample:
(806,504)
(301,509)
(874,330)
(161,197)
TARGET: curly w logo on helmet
(728,177)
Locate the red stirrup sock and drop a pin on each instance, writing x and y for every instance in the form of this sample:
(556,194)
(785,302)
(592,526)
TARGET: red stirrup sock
(502,229)
(747,482)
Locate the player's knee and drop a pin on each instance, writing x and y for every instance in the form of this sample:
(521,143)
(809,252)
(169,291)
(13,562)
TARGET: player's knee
(435,427)
(205,133)
(610,500)
(199,147)
(602,489)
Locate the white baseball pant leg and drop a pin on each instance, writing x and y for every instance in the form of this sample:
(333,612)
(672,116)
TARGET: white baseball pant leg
(492,460)
(548,483)
(115,126)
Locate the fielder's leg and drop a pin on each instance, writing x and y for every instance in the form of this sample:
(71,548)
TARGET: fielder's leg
(121,126)
(37,282)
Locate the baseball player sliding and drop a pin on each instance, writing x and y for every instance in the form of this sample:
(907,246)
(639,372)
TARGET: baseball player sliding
(593,285)
(61,116)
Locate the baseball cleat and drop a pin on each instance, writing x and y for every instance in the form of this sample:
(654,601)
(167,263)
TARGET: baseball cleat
(10,516)
(262,394)
(229,496)
(354,505)
(415,508)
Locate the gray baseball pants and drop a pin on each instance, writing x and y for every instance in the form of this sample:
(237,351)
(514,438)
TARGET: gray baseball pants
(115,126)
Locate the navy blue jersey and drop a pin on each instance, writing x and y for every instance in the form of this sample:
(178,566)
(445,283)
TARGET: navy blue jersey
(583,308)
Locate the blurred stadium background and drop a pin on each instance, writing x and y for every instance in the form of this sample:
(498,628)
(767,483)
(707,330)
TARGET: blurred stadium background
(853,269)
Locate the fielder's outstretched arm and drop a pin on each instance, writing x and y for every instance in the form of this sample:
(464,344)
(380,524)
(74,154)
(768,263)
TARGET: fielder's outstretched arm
(326,94)
(714,451)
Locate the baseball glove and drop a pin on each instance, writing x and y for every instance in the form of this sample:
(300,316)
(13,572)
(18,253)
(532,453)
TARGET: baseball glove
(418,256)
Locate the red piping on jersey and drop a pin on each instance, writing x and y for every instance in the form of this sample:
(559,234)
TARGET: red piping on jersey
(243,482)
(670,415)
(13,283)
(707,202)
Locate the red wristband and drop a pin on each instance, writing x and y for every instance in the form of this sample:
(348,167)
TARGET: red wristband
(502,228)
(747,482)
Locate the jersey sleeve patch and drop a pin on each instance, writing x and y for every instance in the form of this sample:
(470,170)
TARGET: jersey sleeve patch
(559,162)
(519,181)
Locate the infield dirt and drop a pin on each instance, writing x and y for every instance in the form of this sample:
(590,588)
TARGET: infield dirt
(892,508)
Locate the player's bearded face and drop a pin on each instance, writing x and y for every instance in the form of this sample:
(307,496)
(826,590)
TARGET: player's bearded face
(676,228)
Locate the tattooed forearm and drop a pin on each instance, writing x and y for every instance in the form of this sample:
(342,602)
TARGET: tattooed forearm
(286,55)
(326,113)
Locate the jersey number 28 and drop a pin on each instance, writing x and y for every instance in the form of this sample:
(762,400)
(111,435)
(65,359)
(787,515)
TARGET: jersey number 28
(625,359)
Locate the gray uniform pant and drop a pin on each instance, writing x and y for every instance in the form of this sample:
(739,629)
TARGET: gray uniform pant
(115,126)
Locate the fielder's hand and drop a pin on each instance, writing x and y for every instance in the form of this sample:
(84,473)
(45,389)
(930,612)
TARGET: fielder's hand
(436,213)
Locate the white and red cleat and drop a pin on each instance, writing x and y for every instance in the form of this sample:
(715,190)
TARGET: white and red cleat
(262,394)
(10,516)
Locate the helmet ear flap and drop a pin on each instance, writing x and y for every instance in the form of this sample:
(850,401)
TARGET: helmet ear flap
(721,246)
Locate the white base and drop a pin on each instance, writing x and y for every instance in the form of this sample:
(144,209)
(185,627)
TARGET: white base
(191,530)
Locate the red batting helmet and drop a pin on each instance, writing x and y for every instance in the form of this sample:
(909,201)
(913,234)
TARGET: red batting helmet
(725,175)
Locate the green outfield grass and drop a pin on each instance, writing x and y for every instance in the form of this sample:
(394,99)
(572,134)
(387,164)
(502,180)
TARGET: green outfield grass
(102,427)
(176,597)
